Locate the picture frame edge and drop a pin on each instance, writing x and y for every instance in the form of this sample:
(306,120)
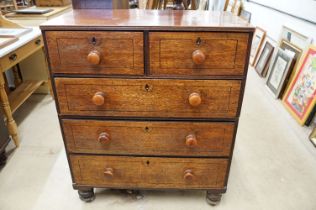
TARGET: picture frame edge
(301,122)
(259,46)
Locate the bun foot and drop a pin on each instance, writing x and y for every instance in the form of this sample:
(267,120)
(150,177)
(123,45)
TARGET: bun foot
(213,198)
(86,195)
(3,158)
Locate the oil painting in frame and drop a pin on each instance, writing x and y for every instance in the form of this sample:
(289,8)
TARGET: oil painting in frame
(279,71)
(300,98)
(262,64)
(257,41)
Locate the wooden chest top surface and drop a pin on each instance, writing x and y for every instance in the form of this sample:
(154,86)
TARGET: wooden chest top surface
(149,20)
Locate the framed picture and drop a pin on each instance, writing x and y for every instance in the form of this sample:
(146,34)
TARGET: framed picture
(312,136)
(262,65)
(300,98)
(295,38)
(237,8)
(285,45)
(258,38)
(230,5)
(279,71)
(245,15)
(297,52)
(311,118)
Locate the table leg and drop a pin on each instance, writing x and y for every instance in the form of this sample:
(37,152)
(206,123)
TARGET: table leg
(11,124)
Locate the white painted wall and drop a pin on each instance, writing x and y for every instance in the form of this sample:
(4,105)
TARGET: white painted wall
(301,8)
(272,21)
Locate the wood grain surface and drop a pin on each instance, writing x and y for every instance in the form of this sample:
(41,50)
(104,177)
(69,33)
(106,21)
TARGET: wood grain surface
(120,52)
(148,138)
(148,172)
(171,53)
(158,20)
(148,98)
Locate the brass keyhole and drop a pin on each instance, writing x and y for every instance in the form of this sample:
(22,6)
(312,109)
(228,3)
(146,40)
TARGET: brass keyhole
(146,129)
(198,41)
(94,41)
(146,87)
(147,162)
(13,57)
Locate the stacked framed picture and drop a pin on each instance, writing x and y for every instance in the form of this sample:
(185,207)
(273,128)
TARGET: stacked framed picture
(279,69)
(262,65)
(291,70)
(244,14)
(230,5)
(295,42)
(300,97)
(257,41)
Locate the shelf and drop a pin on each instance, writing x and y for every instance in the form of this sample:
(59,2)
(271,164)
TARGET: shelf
(23,92)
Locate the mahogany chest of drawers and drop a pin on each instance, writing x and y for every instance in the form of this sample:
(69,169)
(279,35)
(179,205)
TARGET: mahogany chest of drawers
(148,99)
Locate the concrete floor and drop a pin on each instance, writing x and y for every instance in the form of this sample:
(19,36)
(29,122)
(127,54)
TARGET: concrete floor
(274,164)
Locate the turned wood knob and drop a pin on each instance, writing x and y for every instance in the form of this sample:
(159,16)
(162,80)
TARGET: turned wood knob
(191,140)
(94,57)
(195,99)
(109,172)
(98,98)
(104,137)
(188,175)
(198,57)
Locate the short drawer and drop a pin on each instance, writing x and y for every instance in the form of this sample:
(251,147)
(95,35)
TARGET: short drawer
(148,172)
(18,55)
(148,98)
(198,53)
(149,138)
(109,53)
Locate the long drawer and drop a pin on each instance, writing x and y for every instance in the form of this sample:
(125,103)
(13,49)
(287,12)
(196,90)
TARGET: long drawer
(148,98)
(149,172)
(149,138)
(110,53)
(197,53)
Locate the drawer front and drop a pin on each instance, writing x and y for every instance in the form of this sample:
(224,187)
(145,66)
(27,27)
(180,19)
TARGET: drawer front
(21,53)
(114,53)
(148,98)
(145,172)
(149,138)
(198,54)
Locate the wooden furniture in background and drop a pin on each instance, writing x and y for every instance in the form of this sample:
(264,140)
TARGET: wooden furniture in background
(8,6)
(52,3)
(4,140)
(100,4)
(156,106)
(34,20)
(10,56)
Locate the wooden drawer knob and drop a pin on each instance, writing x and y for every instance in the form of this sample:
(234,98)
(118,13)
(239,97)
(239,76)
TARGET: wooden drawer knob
(104,138)
(188,175)
(198,57)
(109,172)
(98,98)
(191,140)
(94,57)
(195,99)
